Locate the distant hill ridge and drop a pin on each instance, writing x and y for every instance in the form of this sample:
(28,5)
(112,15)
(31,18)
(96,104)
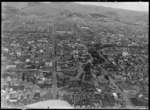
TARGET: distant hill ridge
(58,7)
(112,19)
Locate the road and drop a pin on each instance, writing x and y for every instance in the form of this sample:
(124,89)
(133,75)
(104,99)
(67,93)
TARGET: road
(80,69)
(125,95)
(54,73)
(26,32)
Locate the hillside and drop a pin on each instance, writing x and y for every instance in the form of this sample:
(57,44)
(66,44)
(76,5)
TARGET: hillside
(57,7)
(109,18)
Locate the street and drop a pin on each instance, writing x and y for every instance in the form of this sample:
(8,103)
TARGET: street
(54,83)
(125,95)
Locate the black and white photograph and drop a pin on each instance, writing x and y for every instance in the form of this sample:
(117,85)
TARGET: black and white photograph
(74,55)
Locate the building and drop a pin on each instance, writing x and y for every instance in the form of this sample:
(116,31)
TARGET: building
(102,79)
(119,78)
(124,53)
(127,88)
(10,66)
(115,95)
(58,68)
(64,32)
(48,64)
(14,96)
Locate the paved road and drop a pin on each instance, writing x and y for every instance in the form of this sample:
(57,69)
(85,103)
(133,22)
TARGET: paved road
(125,95)
(54,83)
(121,46)
(80,71)
(26,32)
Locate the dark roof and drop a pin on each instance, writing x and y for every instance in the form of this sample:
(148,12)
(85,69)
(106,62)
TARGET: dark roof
(37,95)
(126,86)
(138,102)
(21,87)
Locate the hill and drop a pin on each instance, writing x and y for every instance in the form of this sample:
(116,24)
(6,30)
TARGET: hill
(55,8)
(112,19)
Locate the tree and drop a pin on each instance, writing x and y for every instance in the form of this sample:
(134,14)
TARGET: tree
(87,67)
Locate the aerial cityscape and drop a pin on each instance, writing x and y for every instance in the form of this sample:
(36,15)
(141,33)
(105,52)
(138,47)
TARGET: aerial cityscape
(89,56)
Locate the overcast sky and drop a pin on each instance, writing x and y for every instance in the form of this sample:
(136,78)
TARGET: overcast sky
(138,6)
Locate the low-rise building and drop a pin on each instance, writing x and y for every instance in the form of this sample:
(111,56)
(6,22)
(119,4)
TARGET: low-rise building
(10,66)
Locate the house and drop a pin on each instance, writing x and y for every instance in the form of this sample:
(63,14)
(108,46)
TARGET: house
(111,52)
(14,96)
(3,59)
(5,49)
(48,64)
(102,79)
(124,53)
(64,32)
(115,95)
(27,60)
(127,88)
(99,90)
(84,27)
(10,66)
(58,68)
(119,78)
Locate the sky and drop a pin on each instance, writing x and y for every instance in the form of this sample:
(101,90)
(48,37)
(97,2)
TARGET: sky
(135,6)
